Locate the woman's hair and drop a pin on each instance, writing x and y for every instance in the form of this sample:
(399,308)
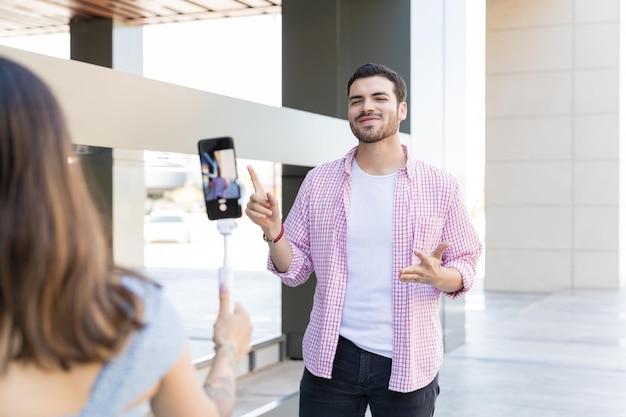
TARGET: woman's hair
(61,297)
(373,70)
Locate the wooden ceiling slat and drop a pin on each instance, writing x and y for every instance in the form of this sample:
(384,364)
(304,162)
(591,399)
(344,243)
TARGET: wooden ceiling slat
(150,7)
(243,13)
(13,26)
(101,8)
(35,8)
(255,3)
(85,9)
(156,20)
(208,15)
(21,17)
(32,31)
(130,9)
(181,6)
(220,5)
(118,8)
(28,20)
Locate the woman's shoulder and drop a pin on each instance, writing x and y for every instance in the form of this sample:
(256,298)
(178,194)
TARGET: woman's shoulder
(149,353)
(143,287)
(158,309)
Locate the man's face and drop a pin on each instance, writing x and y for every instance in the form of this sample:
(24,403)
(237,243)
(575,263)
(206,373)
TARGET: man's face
(373,110)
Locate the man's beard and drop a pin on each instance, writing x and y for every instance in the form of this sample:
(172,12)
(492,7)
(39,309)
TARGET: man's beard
(371,134)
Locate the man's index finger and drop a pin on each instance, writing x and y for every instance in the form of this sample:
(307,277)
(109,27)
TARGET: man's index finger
(256,183)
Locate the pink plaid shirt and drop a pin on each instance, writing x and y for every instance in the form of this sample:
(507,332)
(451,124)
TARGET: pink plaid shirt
(428,210)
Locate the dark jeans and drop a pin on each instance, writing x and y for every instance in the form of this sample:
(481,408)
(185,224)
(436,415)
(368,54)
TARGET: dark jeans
(361,378)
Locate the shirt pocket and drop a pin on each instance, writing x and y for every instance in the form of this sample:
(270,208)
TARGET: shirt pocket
(427,234)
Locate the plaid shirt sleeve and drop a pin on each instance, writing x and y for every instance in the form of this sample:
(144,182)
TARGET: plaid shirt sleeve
(298,235)
(465,248)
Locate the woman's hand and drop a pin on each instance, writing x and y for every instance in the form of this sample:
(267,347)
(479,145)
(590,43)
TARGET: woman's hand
(232,329)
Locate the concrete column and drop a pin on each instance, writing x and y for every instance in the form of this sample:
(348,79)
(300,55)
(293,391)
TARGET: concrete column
(129,189)
(91,40)
(325,40)
(129,195)
(553,155)
(621,280)
(97,163)
(120,187)
(127,48)
(447,91)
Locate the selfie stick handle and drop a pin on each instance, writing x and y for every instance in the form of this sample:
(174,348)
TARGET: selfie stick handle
(225,274)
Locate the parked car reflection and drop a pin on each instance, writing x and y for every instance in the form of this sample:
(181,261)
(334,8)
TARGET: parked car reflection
(167,226)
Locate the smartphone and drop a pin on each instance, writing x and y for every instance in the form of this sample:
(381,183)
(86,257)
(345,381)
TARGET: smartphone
(222,193)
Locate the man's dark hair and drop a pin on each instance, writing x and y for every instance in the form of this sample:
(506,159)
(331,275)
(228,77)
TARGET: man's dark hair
(374,70)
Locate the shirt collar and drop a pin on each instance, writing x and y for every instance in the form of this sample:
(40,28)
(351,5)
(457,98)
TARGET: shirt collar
(409,167)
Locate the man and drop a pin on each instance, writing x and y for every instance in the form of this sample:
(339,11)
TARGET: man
(386,235)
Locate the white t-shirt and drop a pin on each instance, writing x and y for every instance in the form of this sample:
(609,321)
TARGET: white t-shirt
(367,309)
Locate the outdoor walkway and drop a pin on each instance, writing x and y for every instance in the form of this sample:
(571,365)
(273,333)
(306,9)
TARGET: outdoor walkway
(530,355)
(527,355)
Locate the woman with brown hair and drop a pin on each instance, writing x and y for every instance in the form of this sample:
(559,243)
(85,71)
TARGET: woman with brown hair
(80,336)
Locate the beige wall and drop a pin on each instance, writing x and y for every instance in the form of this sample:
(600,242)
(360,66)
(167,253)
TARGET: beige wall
(552,136)
(121,110)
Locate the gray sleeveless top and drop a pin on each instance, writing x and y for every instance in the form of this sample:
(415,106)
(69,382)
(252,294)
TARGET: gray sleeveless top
(148,355)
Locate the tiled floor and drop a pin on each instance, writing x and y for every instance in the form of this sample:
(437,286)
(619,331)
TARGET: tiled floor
(530,355)
(527,355)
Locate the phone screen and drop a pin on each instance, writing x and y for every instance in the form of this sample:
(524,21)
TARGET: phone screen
(219,178)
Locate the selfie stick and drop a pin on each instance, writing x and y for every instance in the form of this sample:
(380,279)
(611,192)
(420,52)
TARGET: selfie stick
(225,274)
